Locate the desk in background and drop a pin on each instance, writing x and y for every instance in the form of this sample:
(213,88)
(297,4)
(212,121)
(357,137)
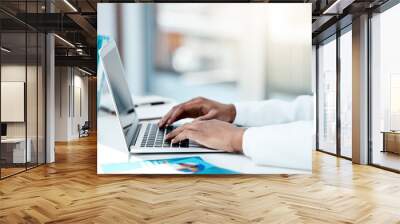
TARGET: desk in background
(13,150)
(391,141)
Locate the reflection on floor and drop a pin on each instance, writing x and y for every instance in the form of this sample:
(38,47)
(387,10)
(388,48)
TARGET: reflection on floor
(10,169)
(386,159)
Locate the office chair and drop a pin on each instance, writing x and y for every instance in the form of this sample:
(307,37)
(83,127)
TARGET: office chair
(84,130)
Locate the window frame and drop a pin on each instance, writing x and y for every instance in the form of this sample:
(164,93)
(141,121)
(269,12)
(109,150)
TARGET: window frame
(334,37)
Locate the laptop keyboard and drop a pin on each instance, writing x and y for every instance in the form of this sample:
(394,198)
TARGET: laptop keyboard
(155,137)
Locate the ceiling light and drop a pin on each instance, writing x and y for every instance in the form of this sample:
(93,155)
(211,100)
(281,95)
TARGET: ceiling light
(5,50)
(338,6)
(70,5)
(65,41)
(79,51)
(84,71)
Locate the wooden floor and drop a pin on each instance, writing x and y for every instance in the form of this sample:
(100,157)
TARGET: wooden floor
(70,191)
(5,172)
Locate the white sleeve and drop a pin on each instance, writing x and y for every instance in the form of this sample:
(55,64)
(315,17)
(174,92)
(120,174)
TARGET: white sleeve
(273,111)
(283,145)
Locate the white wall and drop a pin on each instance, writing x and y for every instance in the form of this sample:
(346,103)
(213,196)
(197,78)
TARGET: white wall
(124,23)
(13,100)
(107,20)
(14,73)
(34,125)
(80,83)
(132,37)
(275,51)
(11,73)
(68,82)
(61,103)
(288,50)
(314,89)
(50,95)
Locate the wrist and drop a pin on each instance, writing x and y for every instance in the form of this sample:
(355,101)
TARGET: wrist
(237,140)
(232,113)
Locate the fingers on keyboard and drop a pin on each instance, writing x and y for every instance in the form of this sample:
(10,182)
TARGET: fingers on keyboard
(154,137)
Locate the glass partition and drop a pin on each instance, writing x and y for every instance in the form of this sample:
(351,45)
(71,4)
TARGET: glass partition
(35,88)
(327,96)
(31,99)
(14,154)
(22,76)
(41,96)
(346,94)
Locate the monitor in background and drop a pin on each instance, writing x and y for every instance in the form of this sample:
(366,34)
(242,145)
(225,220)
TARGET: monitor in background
(3,130)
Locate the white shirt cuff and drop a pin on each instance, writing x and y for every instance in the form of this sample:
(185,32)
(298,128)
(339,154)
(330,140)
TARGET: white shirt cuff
(241,114)
(285,145)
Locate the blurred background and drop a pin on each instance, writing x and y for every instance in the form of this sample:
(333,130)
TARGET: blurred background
(227,52)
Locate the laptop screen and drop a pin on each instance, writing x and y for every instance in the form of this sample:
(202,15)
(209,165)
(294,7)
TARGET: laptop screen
(119,89)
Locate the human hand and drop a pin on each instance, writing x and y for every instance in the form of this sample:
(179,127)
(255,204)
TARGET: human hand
(214,134)
(201,109)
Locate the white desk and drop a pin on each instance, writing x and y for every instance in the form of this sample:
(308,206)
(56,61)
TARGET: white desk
(19,155)
(112,149)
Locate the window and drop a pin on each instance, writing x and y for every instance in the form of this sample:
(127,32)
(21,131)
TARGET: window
(346,93)
(327,96)
(385,89)
(334,138)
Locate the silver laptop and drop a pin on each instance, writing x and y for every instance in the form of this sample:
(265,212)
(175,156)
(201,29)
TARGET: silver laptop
(140,136)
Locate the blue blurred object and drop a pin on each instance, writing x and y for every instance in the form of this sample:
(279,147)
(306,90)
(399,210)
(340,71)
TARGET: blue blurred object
(185,165)
(101,41)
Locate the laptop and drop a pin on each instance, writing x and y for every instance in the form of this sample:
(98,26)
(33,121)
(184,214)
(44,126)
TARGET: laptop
(141,137)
